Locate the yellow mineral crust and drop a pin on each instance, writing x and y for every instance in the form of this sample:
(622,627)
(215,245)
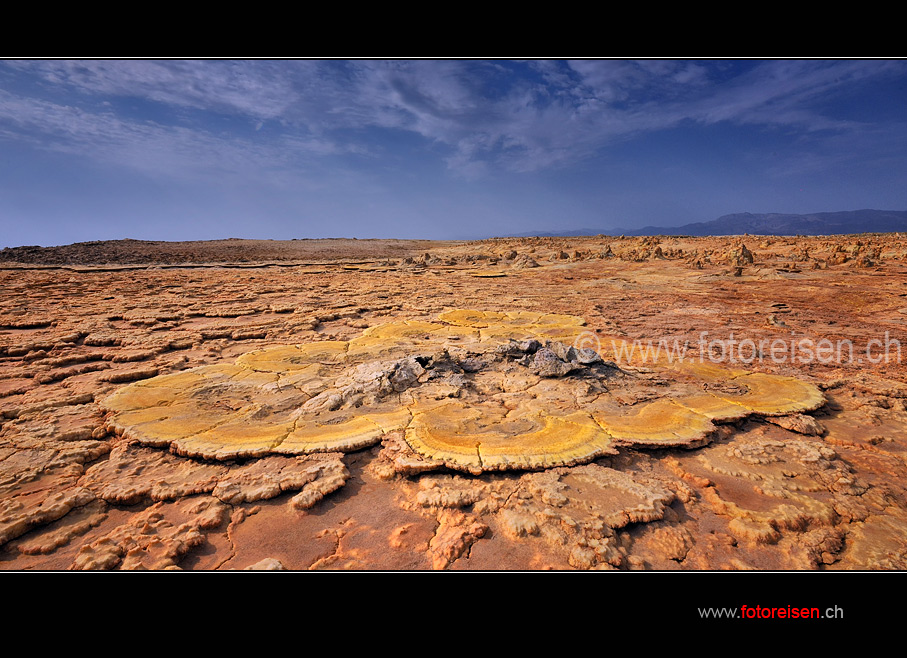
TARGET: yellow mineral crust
(766,395)
(469,318)
(773,395)
(527,319)
(286,358)
(346,395)
(160,426)
(464,438)
(517,325)
(663,422)
(353,434)
(155,391)
(688,420)
(406,329)
(713,407)
(246,410)
(387,338)
(239,437)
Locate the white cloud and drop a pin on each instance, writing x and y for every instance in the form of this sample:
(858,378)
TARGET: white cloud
(256,89)
(520,116)
(170,151)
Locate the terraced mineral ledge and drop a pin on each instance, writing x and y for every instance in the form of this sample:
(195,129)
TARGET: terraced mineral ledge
(336,396)
(360,415)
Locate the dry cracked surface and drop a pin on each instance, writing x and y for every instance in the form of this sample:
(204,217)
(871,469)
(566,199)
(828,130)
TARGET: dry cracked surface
(481,405)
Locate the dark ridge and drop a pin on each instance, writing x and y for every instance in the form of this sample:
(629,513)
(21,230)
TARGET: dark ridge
(846,222)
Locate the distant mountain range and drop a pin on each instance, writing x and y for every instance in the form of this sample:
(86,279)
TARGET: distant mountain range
(820,223)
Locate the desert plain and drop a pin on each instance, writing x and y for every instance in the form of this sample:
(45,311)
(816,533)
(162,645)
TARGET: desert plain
(626,403)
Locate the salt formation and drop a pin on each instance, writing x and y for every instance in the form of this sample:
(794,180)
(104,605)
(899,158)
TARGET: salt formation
(475,391)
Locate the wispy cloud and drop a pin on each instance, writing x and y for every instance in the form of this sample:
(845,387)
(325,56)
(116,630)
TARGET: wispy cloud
(257,89)
(156,149)
(517,116)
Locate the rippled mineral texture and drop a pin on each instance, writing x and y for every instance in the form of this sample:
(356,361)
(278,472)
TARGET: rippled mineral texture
(533,403)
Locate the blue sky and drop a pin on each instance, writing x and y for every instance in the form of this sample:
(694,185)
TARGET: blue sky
(207,149)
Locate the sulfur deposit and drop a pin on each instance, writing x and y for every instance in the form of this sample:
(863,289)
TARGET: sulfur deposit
(455,406)
(489,405)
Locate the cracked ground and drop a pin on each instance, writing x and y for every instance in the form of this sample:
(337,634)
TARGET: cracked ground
(814,487)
